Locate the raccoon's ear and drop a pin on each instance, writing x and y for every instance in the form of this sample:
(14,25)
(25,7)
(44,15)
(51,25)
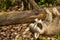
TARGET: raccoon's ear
(36,19)
(40,21)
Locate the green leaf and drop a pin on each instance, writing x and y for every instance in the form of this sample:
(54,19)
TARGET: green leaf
(19,38)
(42,38)
(50,5)
(12,2)
(42,0)
(57,36)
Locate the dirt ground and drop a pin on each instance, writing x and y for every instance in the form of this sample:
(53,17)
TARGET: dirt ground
(12,32)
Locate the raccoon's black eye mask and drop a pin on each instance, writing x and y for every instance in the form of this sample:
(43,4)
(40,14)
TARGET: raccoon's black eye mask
(39,25)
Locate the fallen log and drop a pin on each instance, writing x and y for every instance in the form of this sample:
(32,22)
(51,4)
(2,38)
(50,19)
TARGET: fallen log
(15,17)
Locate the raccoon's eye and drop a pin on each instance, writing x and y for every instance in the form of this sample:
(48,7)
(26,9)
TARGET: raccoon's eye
(39,25)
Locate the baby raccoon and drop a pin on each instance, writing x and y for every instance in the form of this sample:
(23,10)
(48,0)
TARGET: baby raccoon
(35,28)
(50,27)
(53,26)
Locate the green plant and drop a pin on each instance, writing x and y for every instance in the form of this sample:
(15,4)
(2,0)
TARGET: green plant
(19,38)
(42,38)
(47,3)
(4,4)
(57,36)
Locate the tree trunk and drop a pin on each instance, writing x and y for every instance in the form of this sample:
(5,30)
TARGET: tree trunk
(34,4)
(28,4)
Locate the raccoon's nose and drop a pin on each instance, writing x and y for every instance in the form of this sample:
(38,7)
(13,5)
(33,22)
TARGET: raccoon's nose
(39,25)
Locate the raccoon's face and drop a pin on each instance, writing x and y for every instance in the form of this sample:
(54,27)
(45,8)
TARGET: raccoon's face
(39,23)
(37,26)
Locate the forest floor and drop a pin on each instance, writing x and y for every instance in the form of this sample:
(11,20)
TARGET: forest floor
(14,32)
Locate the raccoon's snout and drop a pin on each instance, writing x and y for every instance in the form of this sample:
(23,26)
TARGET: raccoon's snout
(39,25)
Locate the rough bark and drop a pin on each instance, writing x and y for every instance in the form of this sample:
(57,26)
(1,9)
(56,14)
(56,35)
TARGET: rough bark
(15,17)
